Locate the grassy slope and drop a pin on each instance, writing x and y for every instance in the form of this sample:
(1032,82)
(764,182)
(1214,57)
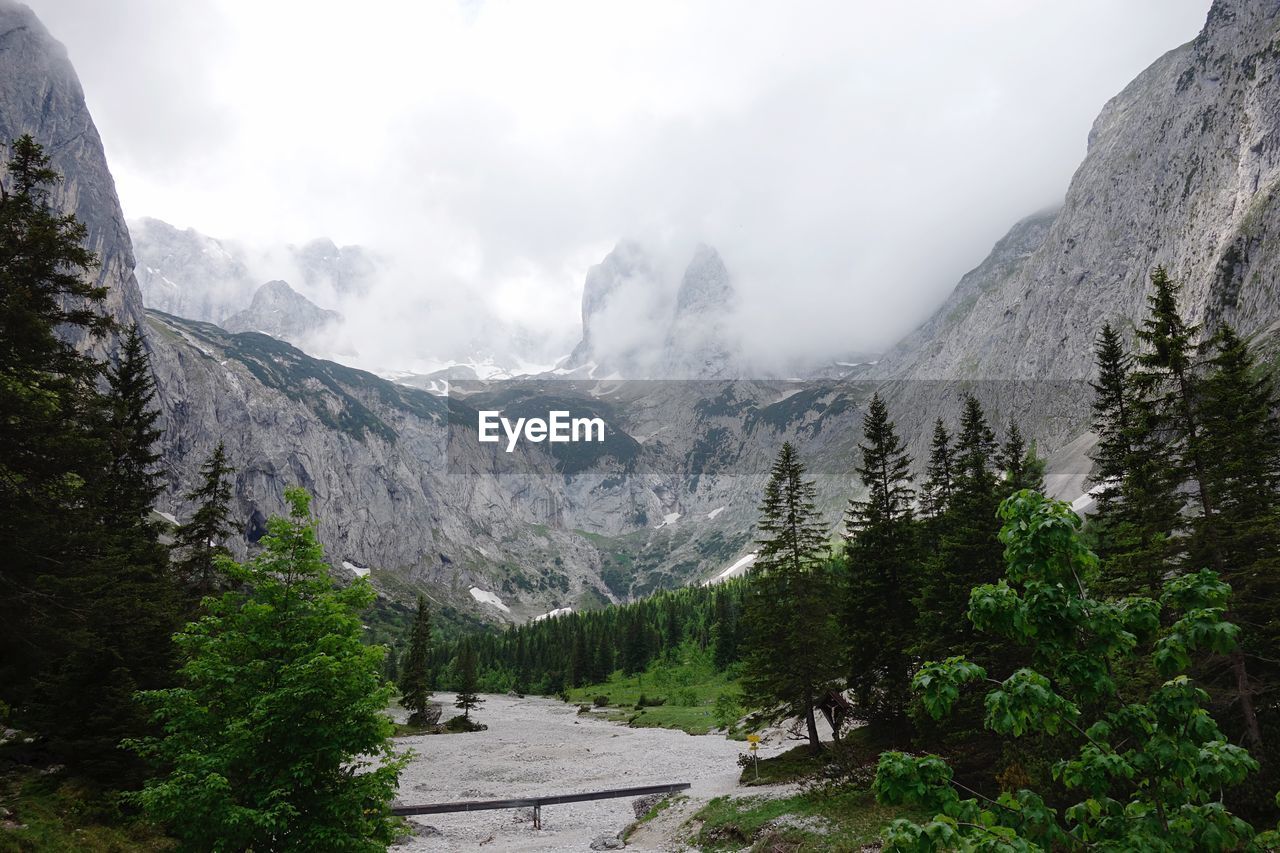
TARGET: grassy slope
(840,819)
(46,815)
(689,686)
(837,814)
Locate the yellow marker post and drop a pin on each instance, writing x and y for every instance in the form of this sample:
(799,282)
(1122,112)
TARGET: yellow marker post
(754,740)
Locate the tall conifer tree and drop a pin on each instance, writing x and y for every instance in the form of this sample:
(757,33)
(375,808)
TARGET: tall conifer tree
(415,677)
(969,552)
(793,657)
(200,541)
(935,497)
(881,572)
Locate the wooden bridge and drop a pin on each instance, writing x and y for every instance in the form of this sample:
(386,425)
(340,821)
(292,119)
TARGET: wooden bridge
(538,802)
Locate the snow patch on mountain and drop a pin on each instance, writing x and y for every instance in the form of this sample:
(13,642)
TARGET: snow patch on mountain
(486,597)
(737,567)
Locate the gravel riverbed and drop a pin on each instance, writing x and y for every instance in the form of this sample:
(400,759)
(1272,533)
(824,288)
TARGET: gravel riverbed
(543,746)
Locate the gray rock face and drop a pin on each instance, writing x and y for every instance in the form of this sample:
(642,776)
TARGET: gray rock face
(184,272)
(1183,169)
(192,275)
(639,323)
(346,269)
(280,311)
(700,342)
(41,95)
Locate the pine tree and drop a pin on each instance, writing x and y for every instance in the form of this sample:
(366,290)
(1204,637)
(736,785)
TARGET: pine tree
(415,681)
(968,552)
(1113,453)
(793,638)
(49,447)
(1165,381)
(1138,502)
(1240,435)
(881,572)
(132,482)
(935,497)
(724,630)
(1018,462)
(1169,390)
(467,697)
(200,541)
(278,737)
(124,593)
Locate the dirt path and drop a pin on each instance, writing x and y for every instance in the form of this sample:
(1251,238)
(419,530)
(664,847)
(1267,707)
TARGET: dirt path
(542,746)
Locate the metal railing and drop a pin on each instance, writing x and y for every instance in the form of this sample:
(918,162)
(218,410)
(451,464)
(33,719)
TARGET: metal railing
(537,802)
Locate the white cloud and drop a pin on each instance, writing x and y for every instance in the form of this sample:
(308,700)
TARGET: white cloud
(849,159)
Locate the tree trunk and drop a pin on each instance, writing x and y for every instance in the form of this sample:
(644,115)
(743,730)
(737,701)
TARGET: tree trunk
(814,743)
(1252,731)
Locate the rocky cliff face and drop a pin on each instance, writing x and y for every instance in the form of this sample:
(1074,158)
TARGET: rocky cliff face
(193,275)
(281,312)
(1183,169)
(640,322)
(184,272)
(41,95)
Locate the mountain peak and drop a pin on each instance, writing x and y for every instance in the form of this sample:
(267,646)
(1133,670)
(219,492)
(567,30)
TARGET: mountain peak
(281,312)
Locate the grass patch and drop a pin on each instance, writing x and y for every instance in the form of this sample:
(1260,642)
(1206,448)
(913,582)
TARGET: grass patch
(46,814)
(841,820)
(658,808)
(856,754)
(794,765)
(688,686)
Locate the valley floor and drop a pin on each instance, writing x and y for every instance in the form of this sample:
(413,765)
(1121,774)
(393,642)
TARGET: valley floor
(543,746)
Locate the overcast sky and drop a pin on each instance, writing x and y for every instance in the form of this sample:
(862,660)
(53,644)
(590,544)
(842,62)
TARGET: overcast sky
(850,160)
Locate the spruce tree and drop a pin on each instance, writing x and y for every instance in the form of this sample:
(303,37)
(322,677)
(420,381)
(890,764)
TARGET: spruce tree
(1165,381)
(200,540)
(1240,435)
(1113,453)
(935,497)
(1138,498)
(1018,462)
(468,680)
(881,572)
(124,594)
(724,630)
(793,639)
(277,737)
(49,446)
(968,552)
(415,680)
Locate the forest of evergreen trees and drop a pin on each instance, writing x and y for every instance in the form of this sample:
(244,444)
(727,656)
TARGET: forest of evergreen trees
(1130,664)
(1187,475)
(145,680)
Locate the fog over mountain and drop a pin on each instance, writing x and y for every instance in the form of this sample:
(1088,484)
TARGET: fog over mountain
(492,153)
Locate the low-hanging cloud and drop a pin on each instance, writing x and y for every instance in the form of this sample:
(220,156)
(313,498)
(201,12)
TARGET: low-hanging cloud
(849,160)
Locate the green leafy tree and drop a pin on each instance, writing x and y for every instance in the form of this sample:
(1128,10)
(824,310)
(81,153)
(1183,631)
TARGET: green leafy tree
(793,638)
(277,738)
(881,572)
(1144,775)
(415,681)
(200,541)
(468,698)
